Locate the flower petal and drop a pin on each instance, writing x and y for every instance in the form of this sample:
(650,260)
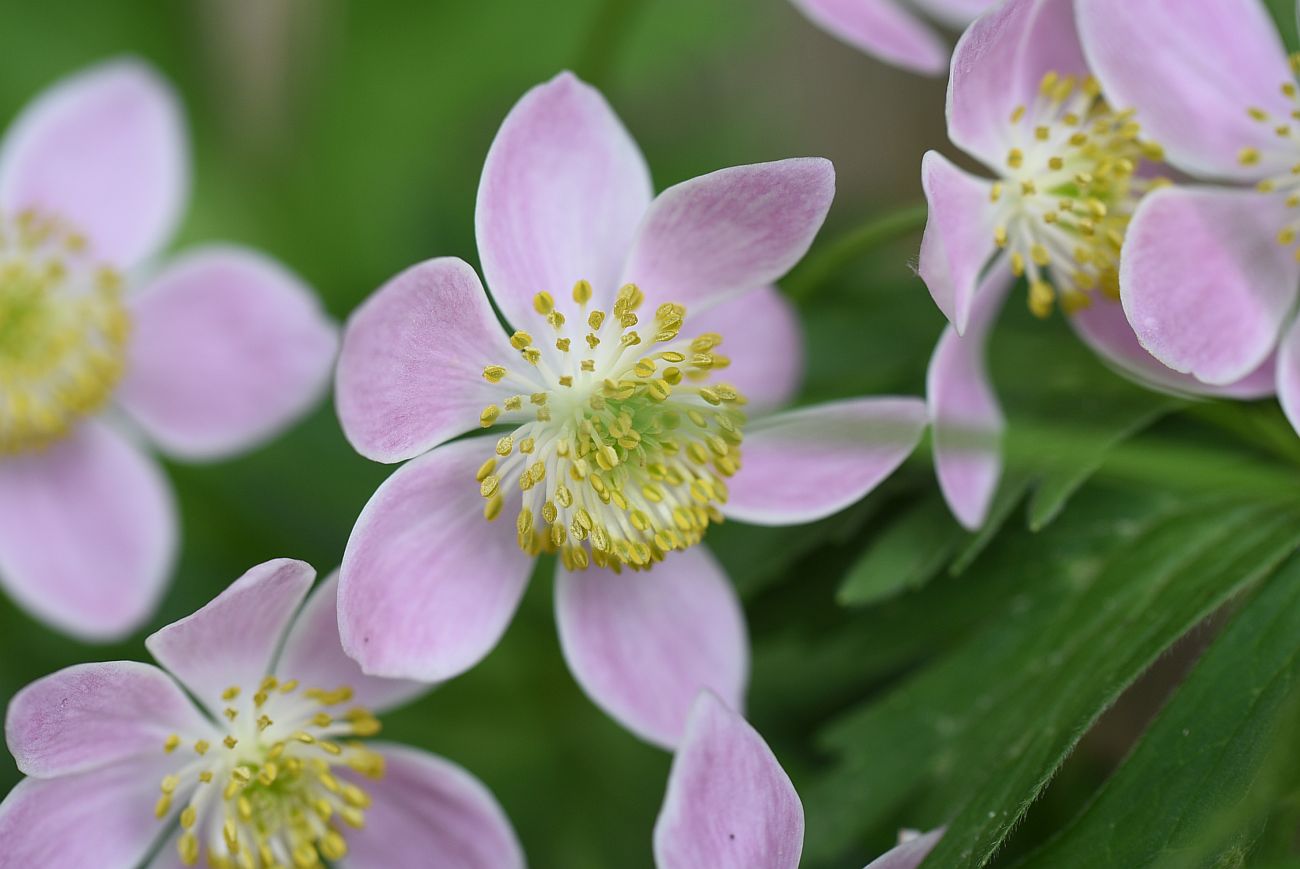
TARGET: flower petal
(90,715)
(105,150)
(427,811)
(313,654)
(104,817)
(955,13)
(87,533)
(1191,75)
(643,645)
(729,804)
(910,853)
(958,240)
(883,29)
(410,374)
(766,352)
(1204,282)
(232,640)
(428,585)
(563,189)
(806,464)
(1105,329)
(729,231)
(964,409)
(998,65)
(1288,374)
(227,348)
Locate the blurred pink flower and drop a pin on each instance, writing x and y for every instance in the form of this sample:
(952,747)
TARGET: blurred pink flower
(1068,175)
(730,805)
(1210,275)
(624,446)
(206,356)
(893,30)
(265,771)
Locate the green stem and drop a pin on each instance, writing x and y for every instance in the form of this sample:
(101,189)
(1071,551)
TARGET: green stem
(611,25)
(822,264)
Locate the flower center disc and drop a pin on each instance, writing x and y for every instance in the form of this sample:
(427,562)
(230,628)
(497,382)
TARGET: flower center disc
(1065,203)
(63,331)
(267,795)
(621,444)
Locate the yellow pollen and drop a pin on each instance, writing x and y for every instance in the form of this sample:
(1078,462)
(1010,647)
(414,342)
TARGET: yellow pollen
(63,331)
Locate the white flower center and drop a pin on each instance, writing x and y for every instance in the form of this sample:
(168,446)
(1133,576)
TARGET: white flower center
(1285,183)
(1064,203)
(63,331)
(265,795)
(620,444)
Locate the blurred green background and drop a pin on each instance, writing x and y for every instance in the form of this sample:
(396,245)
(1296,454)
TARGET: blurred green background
(346,139)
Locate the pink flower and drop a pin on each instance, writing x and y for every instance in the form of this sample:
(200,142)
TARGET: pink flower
(265,771)
(892,30)
(1210,275)
(1068,176)
(206,356)
(730,805)
(624,444)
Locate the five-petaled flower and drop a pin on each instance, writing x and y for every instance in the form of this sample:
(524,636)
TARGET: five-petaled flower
(730,805)
(892,30)
(625,430)
(268,770)
(206,356)
(1069,173)
(1210,275)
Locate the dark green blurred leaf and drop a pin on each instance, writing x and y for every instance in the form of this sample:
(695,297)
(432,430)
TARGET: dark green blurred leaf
(904,555)
(1187,795)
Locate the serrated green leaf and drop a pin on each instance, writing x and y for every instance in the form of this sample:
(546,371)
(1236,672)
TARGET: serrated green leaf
(977,735)
(904,555)
(1190,788)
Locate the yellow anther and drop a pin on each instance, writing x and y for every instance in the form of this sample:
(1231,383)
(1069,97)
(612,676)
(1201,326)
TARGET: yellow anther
(543,303)
(582,292)
(494,373)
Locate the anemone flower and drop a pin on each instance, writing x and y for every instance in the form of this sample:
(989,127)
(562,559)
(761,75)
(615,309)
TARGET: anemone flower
(730,805)
(268,769)
(894,31)
(205,356)
(1210,274)
(617,444)
(1069,172)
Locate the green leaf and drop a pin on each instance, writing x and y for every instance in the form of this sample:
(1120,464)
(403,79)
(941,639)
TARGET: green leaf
(978,734)
(1203,769)
(904,555)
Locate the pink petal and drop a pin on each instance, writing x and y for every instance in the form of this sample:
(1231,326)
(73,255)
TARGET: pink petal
(806,464)
(729,804)
(105,150)
(1105,329)
(563,190)
(998,65)
(910,853)
(958,239)
(87,533)
(429,812)
(428,585)
(1192,74)
(104,817)
(91,715)
(410,375)
(884,29)
(1288,374)
(227,348)
(232,640)
(728,231)
(1204,282)
(764,341)
(955,13)
(313,654)
(964,409)
(643,645)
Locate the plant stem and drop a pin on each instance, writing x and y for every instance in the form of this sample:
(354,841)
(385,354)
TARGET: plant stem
(611,25)
(833,256)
